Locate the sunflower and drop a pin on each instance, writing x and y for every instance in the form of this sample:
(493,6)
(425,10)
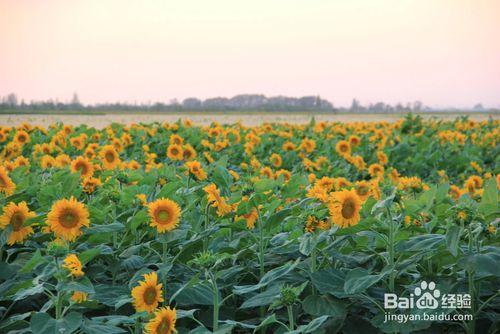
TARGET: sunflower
(196,169)
(343,148)
(363,189)
(175,152)
(189,152)
(176,140)
(89,184)
(22,137)
(79,297)
(382,158)
(148,294)
(83,166)
(267,172)
(21,161)
(354,140)
(455,192)
(48,162)
(6,185)
(288,146)
(216,200)
(163,322)
(344,208)
(66,218)
(376,170)
(63,160)
(308,145)
(164,214)
(74,266)
(276,160)
(109,157)
(16,215)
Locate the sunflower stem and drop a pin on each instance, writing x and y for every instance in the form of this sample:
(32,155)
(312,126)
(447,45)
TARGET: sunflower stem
(290,317)
(207,223)
(216,301)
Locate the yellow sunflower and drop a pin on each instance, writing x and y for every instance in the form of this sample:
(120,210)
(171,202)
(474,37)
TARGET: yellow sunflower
(67,217)
(148,294)
(344,208)
(164,214)
(79,297)
(376,170)
(6,185)
(109,157)
(175,152)
(15,215)
(74,266)
(22,137)
(343,148)
(83,166)
(163,322)
(189,152)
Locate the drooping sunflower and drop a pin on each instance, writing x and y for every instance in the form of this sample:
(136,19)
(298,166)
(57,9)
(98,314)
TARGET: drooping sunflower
(74,266)
(216,200)
(164,214)
(83,166)
(67,217)
(196,169)
(109,156)
(15,215)
(148,294)
(175,152)
(6,185)
(344,208)
(163,322)
(376,170)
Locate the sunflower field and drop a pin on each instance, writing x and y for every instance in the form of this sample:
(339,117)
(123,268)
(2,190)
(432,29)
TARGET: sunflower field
(277,228)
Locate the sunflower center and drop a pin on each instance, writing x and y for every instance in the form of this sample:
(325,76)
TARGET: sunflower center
(348,209)
(69,220)
(163,327)
(362,190)
(163,216)
(174,151)
(17,221)
(150,295)
(81,168)
(109,156)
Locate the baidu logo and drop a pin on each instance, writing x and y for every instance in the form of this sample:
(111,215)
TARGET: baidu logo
(427,296)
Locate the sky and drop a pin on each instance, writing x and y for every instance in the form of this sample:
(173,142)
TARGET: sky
(442,52)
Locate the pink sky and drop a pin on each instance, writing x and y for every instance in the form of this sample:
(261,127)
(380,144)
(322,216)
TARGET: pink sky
(442,52)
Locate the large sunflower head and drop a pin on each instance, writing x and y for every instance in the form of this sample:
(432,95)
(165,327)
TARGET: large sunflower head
(83,166)
(344,208)
(175,152)
(16,215)
(164,214)
(343,148)
(22,137)
(148,294)
(109,156)
(67,217)
(163,322)
(6,185)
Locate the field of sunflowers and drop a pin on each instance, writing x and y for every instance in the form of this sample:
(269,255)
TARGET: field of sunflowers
(276,228)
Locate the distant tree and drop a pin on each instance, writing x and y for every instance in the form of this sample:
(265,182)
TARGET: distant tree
(355,105)
(11,100)
(478,106)
(75,101)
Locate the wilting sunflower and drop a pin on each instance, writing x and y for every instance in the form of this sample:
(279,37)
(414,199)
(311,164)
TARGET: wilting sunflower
(175,152)
(163,322)
(74,266)
(83,166)
(216,200)
(15,215)
(148,294)
(164,214)
(6,185)
(189,152)
(79,297)
(109,156)
(66,218)
(196,169)
(344,208)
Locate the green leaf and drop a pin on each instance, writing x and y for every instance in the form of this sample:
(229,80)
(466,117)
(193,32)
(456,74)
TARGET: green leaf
(42,323)
(359,279)
(324,305)
(329,281)
(453,239)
